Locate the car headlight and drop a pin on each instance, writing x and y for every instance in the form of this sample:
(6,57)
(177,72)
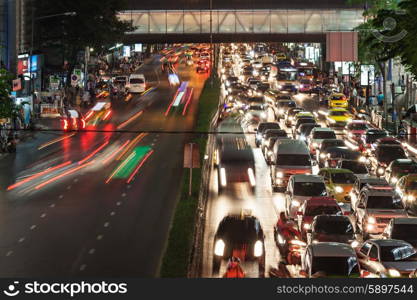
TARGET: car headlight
(230,97)
(258,249)
(263,115)
(362,159)
(322,155)
(354,244)
(280,175)
(306,226)
(381,171)
(295,203)
(219,248)
(302,138)
(332,121)
(229,90)
(251,176)
(410,198)
(223,180)
(262,77)
(279,86)
(394,273)
(270,153)
(281,111)
(371,220)
(338,189)
(394,180)
(315,145)
(281,241)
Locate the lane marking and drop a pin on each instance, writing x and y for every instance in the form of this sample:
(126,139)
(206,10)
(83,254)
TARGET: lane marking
(69,187)
(43,215)
(92,250)
(82,268)
(56,141)
(118,203)
(75,180)
(106,224)
(32,227)
(22,239)
(112,213)
(52,205)
(99,237)
(123,194)
(9,253)
(61,196)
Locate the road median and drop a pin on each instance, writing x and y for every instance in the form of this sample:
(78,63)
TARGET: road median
(189,212)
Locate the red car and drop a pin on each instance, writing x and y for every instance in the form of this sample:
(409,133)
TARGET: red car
(203,66)
(355,129)
(314,207)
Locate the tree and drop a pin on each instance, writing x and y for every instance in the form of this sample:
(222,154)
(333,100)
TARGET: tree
(95,25)
(6,104)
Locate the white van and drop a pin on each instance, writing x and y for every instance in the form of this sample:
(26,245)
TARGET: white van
(136,84)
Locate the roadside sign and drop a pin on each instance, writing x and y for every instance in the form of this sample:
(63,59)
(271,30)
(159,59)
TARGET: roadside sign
(191,160)
(74,79)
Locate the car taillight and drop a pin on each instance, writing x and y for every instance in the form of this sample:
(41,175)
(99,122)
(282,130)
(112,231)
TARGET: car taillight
(65,124)
(82,123)
(74,122)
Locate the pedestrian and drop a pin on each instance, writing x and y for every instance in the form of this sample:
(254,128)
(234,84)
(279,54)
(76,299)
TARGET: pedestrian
(86,99)
(355,96)
(380,99)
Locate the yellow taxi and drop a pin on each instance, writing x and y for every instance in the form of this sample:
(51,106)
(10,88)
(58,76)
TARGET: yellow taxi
(281,56)
(339,183)
(338,117)
(406,188)
(337,100)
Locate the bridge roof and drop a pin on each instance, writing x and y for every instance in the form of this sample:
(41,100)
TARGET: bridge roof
(239,4)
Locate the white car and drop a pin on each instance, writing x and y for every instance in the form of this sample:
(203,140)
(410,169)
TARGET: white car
(136,84)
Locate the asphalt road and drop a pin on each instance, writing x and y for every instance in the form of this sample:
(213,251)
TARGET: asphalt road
(77,209)
(263,204)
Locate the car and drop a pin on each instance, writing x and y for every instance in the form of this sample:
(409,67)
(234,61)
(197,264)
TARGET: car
(376,206)
(290,115)
(338,100)
(300,121)
(406,187)
(121,79)
(402,229)
(389,141)
(304,130)
(203,66)
(136,84)
(255,114)
(271,96)
(338,117)
(387,258)
(300,188)
(241,236)
(399,168)
(317,136)
(252,83)
(282,105)
(384,155)
(262,127)
(356,166)
(101,111)
(315,206)
(305,86)
(369,137)
(288,157)
(329,228)
(355,129)
(233,157)
(262,87)
(330,259)
(339,183)
(362,181)
(269,139)
(334,154)
(73,120)
(231,80)
(321,154)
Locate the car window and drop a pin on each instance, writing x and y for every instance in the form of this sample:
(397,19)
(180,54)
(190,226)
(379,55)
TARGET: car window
(374,252)
(365,248)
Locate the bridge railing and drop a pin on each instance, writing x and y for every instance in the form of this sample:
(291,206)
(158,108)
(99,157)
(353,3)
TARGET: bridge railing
(242,21)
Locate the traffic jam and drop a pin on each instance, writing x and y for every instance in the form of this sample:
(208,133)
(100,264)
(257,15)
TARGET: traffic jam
(346,189)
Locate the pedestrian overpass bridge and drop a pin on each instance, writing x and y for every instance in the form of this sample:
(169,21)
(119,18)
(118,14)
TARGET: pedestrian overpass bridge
(240,25)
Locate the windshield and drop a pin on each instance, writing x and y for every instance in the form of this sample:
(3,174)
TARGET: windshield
(313,211)
(137,80)
(384,202)
(313,189)
(343,178)
(324,135)
(397,253)
(406,232)
(339,113)
(338,97)
(388,154)
(327,144)
(256,107)
(355,166)
(357,126)
(293,160)
(290,76)
(334,226)
(336,266)
(373,136)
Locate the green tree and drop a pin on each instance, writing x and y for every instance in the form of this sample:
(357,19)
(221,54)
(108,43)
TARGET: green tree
(6,104)
(95,25)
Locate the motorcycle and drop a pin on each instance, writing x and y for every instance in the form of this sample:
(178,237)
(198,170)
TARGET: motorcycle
(289,243)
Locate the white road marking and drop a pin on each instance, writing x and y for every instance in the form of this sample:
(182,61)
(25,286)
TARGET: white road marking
(124,195)
(22,239)
(43,215)
(68,187)
(82,268)
(92,251)
(32,227)
(106,224)
(61,196)
(99,237)
(9,253)
(52,205)
(118,203)
(112,213)
(76,180)
(153,144)
(128,186)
